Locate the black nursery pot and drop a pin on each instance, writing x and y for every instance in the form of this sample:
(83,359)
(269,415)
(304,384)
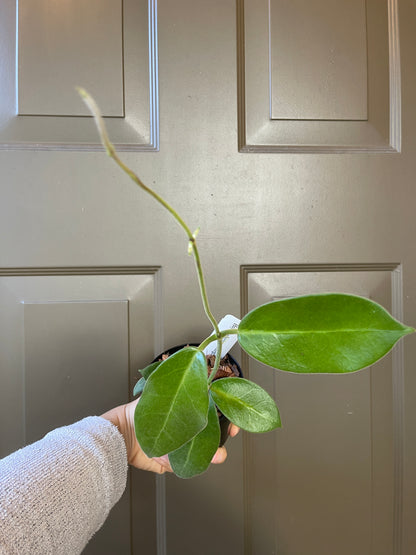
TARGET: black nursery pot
(224,422)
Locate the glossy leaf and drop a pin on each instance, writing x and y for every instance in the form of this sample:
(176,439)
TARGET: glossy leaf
(150,369)
(138,388)
(320,333)
(194,457)
(246,404)
(174,404)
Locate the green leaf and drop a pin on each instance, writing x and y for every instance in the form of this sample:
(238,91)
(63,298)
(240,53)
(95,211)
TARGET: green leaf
(194,457)
(150,369)
(174,404)
(245,404)
(138,388)
(320,333)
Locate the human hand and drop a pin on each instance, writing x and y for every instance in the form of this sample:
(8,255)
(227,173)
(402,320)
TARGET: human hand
(123,418)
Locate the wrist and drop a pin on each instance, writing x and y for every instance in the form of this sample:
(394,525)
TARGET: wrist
(116,417)
(123,417)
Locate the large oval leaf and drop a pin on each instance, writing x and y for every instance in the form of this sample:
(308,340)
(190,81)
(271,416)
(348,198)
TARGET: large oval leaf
(245,404)
(194,457)
(332,332)
(174,404)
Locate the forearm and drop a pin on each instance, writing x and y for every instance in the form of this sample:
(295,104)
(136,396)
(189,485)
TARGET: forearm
(56,493)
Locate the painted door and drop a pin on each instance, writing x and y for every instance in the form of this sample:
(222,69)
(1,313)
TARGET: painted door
(285,131)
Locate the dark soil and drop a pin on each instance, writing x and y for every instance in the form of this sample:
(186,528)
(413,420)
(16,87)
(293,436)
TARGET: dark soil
(226,369)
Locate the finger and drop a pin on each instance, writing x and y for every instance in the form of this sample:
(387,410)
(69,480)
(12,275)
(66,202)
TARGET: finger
(219,456)
(157,468)
(164,463)
(233,430)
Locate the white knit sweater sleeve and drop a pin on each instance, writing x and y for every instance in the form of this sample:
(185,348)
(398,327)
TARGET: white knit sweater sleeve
(56,493)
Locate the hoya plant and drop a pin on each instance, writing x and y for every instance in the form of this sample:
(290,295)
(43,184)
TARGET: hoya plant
(177,413)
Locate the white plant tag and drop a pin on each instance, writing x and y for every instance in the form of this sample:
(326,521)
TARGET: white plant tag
(229,322)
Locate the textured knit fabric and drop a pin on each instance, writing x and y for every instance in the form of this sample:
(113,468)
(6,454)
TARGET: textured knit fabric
(56,493)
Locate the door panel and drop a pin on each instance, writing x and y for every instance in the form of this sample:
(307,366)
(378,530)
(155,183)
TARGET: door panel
(329,37)
(345,425)
(306,205)
(316,76)
(76,335)
(109,47)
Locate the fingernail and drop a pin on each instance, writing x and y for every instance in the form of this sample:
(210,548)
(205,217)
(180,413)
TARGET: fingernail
(217,458)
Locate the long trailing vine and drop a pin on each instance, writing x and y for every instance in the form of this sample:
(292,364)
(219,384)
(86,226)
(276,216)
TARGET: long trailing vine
(192,242)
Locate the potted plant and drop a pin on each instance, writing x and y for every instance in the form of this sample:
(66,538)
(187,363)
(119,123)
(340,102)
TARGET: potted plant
(328,333)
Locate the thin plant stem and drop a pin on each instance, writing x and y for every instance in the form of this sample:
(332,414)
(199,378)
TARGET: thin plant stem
(214,371)
(219,340)
(214,337)
(193,249)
